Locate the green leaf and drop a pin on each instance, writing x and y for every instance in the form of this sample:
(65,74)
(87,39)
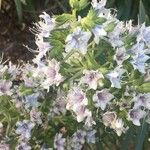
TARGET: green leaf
(142,13)
(110,27)
(25,90)
(144,88)
(141,136)
(83,4)
(78,4)
(61,19)
(19,9)
(91,20)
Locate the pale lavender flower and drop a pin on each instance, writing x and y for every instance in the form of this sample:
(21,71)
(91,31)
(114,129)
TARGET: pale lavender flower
(59,142)
(23,146)
(120,55)
(144,35)
(91,78)
(102,98)
(5,87)
(58,106)
(135,115)
(98,32)
(115,77)
(139,61)
(108,118)
(76,101)
(114,36)
(76,97)
(32,100)
(78,139)
(53,77)
(4,147)
(24,128)
(90,136)
(142,100)
(77,40)
(35,116)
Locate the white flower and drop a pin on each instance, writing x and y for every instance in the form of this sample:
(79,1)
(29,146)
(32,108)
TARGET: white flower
(24,128)
(77,40)
(98,5)
(82,112)
(120,55)
(45,25)
(142,100)
(91,78)
(5,87)
(98,32)
(118,126)
(102,98)
(13,70)
(139,61)
(43,47)
(108,118)
(115,77)
(59,142)
(89,122)
(135,115)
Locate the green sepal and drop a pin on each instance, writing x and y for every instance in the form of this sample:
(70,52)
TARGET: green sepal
(61,19)
(144,88)
(25,90)
(91,20)
(78,4)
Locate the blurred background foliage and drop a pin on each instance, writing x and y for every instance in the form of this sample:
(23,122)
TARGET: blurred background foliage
(137,10)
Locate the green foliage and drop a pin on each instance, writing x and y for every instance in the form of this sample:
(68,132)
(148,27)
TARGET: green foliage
(19,9)
(78,4)
(91,20)
(137,10)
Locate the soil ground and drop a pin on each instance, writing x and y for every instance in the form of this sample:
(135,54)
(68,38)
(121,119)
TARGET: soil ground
(14,35)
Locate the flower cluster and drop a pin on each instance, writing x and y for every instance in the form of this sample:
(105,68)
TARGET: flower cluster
(89,74)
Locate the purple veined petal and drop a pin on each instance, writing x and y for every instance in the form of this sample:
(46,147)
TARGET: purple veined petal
(102,98)
(77,40)
(135,115)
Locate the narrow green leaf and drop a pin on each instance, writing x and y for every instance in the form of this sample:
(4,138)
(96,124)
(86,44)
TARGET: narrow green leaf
(142,13)
(19,9)
(141,136)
